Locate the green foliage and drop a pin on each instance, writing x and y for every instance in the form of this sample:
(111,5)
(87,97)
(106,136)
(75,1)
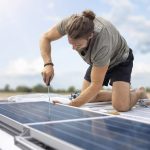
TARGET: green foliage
(23,89)
(71,89)
(39,88)
(148,89)
(7,88)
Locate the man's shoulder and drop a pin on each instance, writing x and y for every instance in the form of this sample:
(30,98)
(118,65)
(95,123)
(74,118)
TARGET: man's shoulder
(61,25)
(101,23)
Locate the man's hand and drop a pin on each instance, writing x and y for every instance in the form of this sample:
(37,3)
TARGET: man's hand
(45,47)
(97,78)
(57,102)
(60,100)
(48,74)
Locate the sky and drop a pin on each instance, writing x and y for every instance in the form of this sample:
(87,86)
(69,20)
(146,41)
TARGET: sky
(22,23)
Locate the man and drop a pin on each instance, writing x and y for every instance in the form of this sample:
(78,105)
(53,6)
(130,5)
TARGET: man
(100,44)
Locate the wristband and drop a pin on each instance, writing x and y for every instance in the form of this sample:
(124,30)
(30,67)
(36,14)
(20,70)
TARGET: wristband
(48,64)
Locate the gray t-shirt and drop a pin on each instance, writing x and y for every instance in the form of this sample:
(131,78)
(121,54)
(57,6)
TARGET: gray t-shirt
(107,47)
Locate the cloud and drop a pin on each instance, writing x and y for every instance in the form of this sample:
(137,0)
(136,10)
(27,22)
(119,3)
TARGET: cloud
(27,72)
(141,71)
(53,19)
(51,4)
(141,79)
(67,79)
(9,10)
(119,10)
(127,16)
(134,27)
(141,64)
(22,72)
(140,68)
(22,67)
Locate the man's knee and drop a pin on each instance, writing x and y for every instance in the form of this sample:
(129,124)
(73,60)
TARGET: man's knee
(121,96)
(120,106)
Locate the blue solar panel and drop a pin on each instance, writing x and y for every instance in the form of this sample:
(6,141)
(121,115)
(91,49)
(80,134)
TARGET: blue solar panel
(32,112)
(101,134)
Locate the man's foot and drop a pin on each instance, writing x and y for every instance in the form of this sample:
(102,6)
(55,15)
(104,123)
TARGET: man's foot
(141,93)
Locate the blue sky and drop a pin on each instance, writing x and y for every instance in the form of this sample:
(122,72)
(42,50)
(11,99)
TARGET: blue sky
(22,22)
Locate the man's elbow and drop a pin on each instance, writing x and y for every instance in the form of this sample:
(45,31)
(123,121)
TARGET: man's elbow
(44,38)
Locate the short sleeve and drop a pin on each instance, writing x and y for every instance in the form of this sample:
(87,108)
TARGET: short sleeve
(61,26)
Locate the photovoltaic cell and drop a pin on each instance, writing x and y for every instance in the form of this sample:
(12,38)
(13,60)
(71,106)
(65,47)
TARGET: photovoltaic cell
(101,134)
(32,112)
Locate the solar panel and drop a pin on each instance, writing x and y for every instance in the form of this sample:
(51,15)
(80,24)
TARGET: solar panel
(64,127)
(33,112)
(100,134)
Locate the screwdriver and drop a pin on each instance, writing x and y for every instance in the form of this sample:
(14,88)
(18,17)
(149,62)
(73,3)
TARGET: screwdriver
(49,93)
(49,107)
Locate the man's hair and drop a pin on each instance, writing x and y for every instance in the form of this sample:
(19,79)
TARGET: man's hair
(81,26)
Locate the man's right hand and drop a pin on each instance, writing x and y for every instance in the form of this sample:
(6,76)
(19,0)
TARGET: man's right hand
(48,74)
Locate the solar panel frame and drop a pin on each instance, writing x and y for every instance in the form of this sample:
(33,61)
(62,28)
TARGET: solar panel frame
(51,141)
(36,132)
(10,124)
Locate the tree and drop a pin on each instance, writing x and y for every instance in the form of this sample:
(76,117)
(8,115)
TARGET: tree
(7,88)
(23,89)
(40,88)
(71,89)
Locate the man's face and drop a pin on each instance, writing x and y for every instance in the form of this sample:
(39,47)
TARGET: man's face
(78,44)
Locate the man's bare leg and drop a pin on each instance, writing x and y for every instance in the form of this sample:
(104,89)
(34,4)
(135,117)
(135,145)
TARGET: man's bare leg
(140,94)
(122,97)
(102,96)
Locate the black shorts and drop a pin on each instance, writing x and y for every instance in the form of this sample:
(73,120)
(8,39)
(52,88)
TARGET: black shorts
(120,72)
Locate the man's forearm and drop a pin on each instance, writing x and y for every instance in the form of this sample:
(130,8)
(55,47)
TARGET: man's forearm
(45,48)
(86,95)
